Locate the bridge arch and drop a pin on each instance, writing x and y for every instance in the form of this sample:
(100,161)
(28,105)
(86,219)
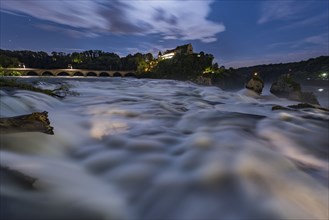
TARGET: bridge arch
(71,72)
(104,74)
(47,73)
(63,74)
(78,74)
(91,74)
(117,74)
(31,73)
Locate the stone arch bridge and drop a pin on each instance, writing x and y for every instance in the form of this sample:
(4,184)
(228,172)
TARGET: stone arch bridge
(68,72)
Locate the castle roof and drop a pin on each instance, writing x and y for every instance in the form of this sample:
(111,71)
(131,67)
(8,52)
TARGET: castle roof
(182,48)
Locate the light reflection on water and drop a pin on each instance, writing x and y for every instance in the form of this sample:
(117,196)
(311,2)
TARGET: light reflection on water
(151,149)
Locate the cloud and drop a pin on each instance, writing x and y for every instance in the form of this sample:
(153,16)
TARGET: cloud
(321,40)
(288,51)
(281,10)
(273,58)
(319,19)
(72,13)
(11,13)
(180,19)
(67,31)
(314,41)
(145,47)
(168,37)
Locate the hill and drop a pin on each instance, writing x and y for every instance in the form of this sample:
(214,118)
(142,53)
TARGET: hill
(312,71)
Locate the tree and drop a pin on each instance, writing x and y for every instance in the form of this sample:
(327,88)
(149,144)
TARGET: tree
(215,66)
(8,62)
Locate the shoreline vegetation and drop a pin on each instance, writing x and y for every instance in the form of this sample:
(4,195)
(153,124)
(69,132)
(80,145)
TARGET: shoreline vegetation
(180,63)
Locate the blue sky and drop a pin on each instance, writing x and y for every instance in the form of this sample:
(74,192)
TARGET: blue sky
(237,33)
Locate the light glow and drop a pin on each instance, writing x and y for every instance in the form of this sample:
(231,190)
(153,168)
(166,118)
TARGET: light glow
(168,56)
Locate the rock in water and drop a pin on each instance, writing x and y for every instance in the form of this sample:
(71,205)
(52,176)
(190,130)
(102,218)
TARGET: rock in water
(286,87)
(256,84)
(35,122)
(309,97)
(298,106)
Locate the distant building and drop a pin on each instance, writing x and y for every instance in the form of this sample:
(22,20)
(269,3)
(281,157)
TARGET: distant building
(184,49)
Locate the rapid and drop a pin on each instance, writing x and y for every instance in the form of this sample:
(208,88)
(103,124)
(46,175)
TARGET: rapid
(128,148)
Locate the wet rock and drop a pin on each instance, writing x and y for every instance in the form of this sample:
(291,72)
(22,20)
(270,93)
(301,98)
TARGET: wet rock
(279,107)
(35,122)
(286,87)
(205,81)
(309,97)
(255,84)
(298,106)
(306,105)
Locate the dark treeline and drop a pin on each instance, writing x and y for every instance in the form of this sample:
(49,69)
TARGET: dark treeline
(180,67)
(91,59)
(301,70)
(309,71)
(189,67)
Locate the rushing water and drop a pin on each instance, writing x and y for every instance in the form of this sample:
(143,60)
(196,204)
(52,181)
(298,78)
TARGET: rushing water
(162,149)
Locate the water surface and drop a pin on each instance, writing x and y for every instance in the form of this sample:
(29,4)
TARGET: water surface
(163,149)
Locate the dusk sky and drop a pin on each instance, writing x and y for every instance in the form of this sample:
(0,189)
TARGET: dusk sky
(237,33)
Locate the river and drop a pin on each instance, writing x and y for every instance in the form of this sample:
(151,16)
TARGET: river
(129,148)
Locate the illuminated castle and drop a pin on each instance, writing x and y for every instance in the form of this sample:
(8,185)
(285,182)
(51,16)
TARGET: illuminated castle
(184,49)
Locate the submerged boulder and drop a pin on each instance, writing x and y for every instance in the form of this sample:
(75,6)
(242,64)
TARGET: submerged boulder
(255,84)
(286,87)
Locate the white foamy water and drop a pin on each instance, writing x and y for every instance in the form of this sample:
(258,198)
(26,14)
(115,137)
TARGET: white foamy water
(163,149)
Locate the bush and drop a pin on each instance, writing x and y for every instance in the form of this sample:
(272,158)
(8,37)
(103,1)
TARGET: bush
(12,73)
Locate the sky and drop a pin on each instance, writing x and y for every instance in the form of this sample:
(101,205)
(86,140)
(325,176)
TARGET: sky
(237,32)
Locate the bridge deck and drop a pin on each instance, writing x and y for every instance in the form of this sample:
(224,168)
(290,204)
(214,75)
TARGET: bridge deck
(69,72)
